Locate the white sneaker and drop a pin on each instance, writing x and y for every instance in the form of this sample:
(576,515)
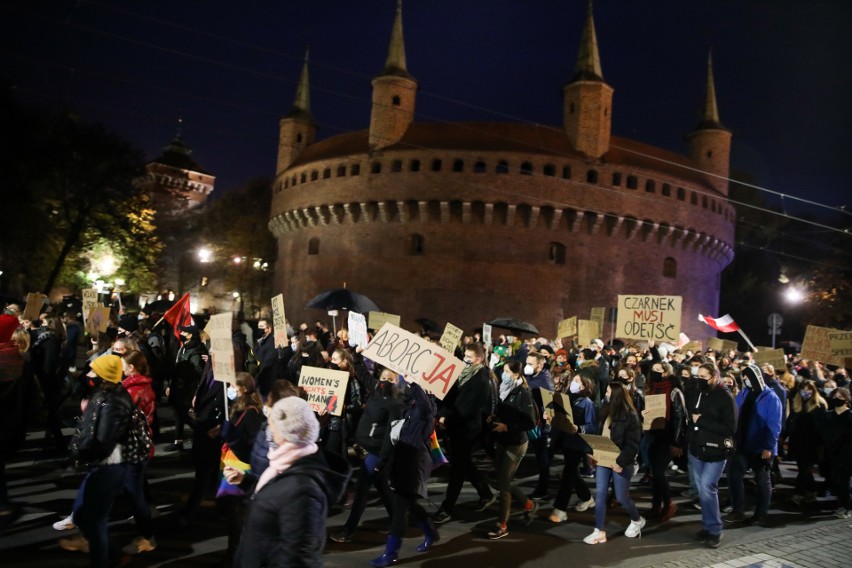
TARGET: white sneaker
(596,537)
(558,516)
(65,524)
(140,544)
(585,505)
(634,529)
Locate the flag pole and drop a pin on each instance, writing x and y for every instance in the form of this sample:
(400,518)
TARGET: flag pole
(750,344)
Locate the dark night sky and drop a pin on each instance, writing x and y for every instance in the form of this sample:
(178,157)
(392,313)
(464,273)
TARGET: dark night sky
(783,72)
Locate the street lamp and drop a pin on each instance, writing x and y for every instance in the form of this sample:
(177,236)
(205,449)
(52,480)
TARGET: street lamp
(794,295)
(205,255)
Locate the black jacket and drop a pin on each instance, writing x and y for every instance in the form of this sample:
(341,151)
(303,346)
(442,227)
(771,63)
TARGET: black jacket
(518,414)
(711,438)
(411,462)
(465,406)
(375,423)
(187,373)
(103,424)
(625,431)
(285,522)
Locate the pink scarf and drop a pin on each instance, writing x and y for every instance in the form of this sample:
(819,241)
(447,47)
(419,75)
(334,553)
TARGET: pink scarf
(283,457)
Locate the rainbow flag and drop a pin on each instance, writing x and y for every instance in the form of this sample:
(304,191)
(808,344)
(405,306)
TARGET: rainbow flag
(229,458)
(438,457)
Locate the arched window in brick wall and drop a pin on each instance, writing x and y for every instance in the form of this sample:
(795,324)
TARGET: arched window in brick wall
(326,173)
(293,181)
(355,170)
(526,169)
(395,101)
(502,167)
(437,165)
(550,170)
(592,176)
(298,138)
(313,246)
(632,182)
(314,175)
(681,194)
(693,198)
(415,245)
(704,201)
(341,171)
(667,190)
(303,178)
(414,166)
(669,268)
(566,172)
(479,167)
(376,168)
(556,253)
(396,166)
(458,166)
(616,178)
(650,186)
(286,183)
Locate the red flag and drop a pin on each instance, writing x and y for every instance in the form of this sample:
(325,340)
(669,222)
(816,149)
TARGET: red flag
(725,324)
(178,315)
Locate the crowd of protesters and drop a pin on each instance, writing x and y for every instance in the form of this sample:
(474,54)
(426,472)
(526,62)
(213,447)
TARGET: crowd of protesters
(276,467)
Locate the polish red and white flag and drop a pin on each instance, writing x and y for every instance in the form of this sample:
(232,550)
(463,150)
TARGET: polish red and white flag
(725,324)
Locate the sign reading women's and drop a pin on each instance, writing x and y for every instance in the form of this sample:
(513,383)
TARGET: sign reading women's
(420,361)
(279,321)
(649,317)
(326,389)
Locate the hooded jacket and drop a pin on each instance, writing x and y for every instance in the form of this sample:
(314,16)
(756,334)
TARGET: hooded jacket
(764,422)
(285,522)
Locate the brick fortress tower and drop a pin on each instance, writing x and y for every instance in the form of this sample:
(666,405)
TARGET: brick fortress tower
(463,222)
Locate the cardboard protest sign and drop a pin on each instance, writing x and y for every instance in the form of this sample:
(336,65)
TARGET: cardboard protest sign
(97,320)
(604,449)
(721,345)
(567,328)
(419,360)
(587,330)
(326,388)
(841,344)
(486,334)
(376,320)
(357,329)
(450,338)
(649,317)
(774,357)
(693,346)
(654,417)
(90,300)
(817,345)
(221,347)
(598,315)
(35,302)
(558,407)
(279,321)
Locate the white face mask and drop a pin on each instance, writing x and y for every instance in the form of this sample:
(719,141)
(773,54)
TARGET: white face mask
(232,393)
(575,387)
(266,411)
(529,370)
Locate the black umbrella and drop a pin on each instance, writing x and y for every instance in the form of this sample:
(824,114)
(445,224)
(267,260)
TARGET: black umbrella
(343,299)
(158,306)
(428,324)
(514,325)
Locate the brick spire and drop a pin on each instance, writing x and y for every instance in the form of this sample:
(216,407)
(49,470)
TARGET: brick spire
(710,114)
(302,103)
(395,63)
(588,59)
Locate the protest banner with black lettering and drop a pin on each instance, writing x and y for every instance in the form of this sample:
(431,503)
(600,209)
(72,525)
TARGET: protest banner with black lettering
(841,344)
(222,347)
(90,300)
(279,321)
(419,360)
(587,330)
(774,357)
(357,329)
(567,328)
(649,317)
(376,320)
(599,315)
(486,335)
(604,449)
(35,302)
(326,389)
(450,338)
(721,345)
(654,417)
(817,345)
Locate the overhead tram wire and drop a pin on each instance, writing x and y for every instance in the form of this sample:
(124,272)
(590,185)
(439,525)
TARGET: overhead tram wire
(469,126)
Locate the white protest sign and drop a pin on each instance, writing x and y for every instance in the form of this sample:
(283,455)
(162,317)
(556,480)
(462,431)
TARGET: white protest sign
(604,449)
(279,321)
(649,317)
(450,338)
(326,388)
(419,360)
(221,347)
(486,334)
(587,330)
(357,329)
(654,417)
(375,320)
(567,328)
(90,300)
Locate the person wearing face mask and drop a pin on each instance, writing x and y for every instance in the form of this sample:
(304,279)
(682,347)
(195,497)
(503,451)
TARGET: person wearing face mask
(462,412)
(806,411)
(574,448)
(836,434)
(758,429)
(772,383)
(187,374)
(334,429)
(384,407)
(712,426)
(560,371)
(267,356)
(537,376)
(513,416)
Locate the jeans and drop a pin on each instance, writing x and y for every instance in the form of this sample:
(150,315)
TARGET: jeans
(506,462)
(367,477)
(707,476)
(603,475)
(98,490)
(461,467)
(134,485)
(740,462)
(571,480)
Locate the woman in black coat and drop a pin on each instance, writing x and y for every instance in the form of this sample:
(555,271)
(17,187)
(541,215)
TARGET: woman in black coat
(409,471)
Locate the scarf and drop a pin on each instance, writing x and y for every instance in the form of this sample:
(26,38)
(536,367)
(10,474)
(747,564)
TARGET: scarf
(507,388)
(282,458)
(467,373)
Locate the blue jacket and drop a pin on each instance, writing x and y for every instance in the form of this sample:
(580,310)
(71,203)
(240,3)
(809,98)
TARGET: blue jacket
(764,427)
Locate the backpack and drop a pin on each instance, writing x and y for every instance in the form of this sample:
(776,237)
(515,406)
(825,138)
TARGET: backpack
(137,446)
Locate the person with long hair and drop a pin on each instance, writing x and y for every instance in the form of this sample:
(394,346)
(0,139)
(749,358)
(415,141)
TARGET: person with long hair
(513,416)
(336,428)
(837,437)
(621,424)
(807,410)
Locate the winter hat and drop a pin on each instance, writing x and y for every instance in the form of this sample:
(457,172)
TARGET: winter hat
(598,343)
(8,325)
(294,420)
(754,376)
(562,352)
(108,367)
(129,323)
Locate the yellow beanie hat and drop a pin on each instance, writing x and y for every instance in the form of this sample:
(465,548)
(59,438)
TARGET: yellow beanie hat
(108,367)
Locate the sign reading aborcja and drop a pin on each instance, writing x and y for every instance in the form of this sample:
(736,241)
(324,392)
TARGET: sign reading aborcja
(649,317)
(420,361)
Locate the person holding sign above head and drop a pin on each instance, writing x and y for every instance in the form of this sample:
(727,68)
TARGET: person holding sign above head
(620,424)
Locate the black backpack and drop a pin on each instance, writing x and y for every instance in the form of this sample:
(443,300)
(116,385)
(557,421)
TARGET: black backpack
(137,445)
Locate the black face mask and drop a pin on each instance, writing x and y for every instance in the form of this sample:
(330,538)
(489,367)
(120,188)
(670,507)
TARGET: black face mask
(656,376)
(835,402)
(385,388)
(334,366)
(703,385)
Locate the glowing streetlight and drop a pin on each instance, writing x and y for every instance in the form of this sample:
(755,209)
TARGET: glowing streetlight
(794,295)
(205,255)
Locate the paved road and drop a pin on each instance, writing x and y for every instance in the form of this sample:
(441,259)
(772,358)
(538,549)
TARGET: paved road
(809,538)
